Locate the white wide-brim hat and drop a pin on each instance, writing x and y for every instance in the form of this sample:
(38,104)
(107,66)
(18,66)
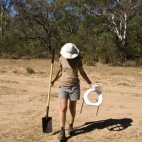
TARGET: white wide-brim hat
(69,51)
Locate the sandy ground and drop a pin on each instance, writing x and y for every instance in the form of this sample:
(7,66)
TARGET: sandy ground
(23,98)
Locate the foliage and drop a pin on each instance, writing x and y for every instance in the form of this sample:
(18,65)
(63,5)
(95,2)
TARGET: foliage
(117,15)
(98,28)
(107,50)
(134,44)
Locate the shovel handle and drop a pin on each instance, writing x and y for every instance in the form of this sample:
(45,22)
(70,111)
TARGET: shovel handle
(50,78)
(47,110)
(53,51)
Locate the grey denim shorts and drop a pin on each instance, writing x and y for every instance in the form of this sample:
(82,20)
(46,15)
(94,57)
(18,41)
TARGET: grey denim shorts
(69,92)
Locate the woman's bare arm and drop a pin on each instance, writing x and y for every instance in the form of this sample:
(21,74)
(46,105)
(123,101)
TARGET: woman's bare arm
(84,75)
(59,74)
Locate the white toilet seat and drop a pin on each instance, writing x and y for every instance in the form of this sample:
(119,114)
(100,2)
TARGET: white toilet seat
(95,88)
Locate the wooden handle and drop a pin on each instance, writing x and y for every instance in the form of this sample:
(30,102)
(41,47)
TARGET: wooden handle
(53,52)
(50,78)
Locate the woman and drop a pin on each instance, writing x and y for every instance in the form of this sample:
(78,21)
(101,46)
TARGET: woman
(69,90)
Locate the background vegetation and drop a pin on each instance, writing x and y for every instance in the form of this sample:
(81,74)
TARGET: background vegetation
(108,31)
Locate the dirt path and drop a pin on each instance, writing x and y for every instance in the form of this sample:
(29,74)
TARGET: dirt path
(23,101)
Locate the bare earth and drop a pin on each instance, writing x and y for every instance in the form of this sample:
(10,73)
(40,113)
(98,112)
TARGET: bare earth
(23,99)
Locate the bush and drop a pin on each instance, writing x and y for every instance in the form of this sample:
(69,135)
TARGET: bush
(88,60)
(30,70)
(107,51)
(139,62)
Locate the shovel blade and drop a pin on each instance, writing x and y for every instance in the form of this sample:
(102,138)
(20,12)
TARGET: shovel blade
(47,124)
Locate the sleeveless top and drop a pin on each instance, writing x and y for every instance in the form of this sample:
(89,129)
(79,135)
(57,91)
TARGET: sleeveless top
(70,71)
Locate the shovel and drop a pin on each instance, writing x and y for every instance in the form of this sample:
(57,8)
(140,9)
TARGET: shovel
(47,121)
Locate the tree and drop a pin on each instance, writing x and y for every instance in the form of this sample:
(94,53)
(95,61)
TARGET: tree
(117,14)
(5,6)
(34,21)
(134,41)
(2,8)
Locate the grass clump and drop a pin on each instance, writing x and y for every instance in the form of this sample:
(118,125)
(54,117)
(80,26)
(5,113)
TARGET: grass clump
(30,70)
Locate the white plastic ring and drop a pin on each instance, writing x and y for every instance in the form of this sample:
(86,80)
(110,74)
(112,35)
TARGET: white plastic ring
(100,97)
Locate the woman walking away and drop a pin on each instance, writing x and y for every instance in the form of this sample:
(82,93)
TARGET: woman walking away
(69,90)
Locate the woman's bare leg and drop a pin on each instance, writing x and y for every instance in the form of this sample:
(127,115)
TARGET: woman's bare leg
(72,108)
(63,110)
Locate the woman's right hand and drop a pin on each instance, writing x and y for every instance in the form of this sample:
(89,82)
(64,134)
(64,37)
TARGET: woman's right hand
(91,85)
(52,83)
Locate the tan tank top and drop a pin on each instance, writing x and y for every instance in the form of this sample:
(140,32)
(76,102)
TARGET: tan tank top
(70,71)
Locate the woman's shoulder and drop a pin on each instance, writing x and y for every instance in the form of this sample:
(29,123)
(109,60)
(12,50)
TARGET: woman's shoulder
(62,58)
(78,58)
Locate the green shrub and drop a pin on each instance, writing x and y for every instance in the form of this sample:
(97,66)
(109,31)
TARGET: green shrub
(30,70)
(88,59)
(138,62)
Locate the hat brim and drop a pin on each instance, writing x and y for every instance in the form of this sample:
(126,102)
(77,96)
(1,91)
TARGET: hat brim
(68,55)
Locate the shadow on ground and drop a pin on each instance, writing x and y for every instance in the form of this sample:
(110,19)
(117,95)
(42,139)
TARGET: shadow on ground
(110,124)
